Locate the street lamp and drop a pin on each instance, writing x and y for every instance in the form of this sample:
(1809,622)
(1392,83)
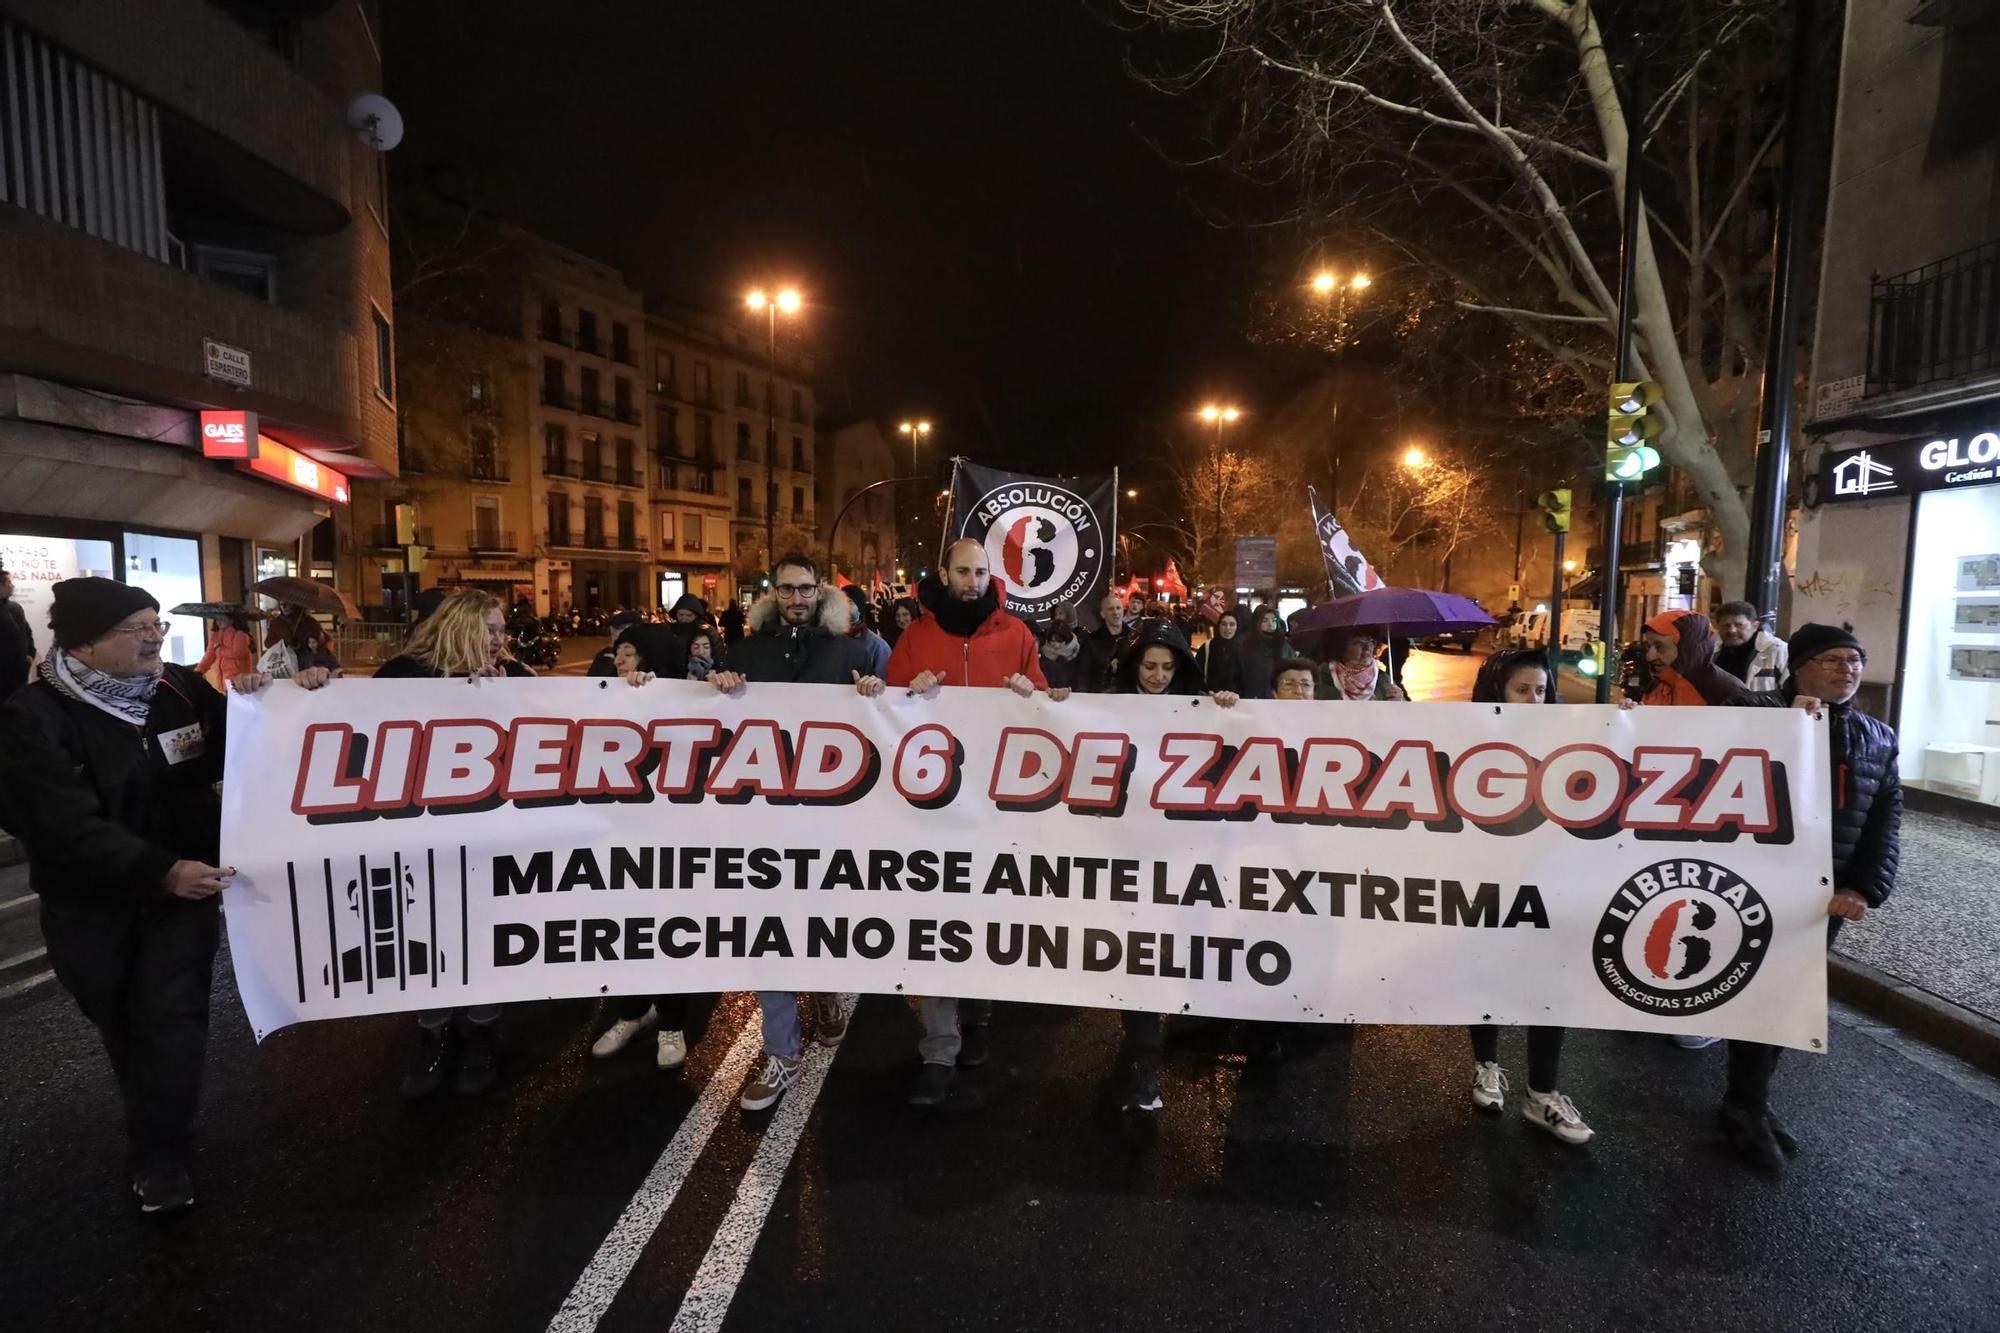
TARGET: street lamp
(1218,416)
(785,300)
(1415,459)
(1131,492)
(917,431)
(1328,285)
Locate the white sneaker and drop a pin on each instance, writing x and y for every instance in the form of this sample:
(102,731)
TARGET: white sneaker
(777,1075)
(673,1050)
(1557,1114)
(619,1035)
(1489,1085)
(1689,1042)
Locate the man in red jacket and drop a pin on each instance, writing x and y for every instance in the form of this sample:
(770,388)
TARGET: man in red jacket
(964,637)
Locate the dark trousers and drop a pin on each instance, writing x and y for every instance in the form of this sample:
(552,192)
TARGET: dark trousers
(1545,1053)
(142,977)
(673,1010)
(1751,1064)
(1145,1037)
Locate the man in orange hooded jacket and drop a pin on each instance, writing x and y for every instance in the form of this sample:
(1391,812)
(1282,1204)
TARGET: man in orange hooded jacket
(964,637)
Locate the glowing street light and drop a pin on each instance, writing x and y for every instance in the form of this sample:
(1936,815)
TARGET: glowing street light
(1131,492)
(786,301)
(1326,283)
(1215,415)
(1415,459)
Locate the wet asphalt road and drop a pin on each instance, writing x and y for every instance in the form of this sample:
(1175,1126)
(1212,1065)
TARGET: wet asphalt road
(1353,1186)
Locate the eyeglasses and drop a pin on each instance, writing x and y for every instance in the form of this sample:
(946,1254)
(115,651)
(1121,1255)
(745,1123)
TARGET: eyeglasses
(1849,661)
(155,629)
(796,592)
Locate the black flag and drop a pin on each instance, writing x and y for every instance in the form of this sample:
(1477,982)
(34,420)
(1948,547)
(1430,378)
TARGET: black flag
(1050,541)
(1347,570)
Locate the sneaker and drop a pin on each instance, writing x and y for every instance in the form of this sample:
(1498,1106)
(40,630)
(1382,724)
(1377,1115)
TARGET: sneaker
(672,1050)
(1489,1085)
(1689,1042)
(933,1085)
(829,1019)
(1748,1134)
(163,1188)
(619,1035)
(427,1071)
(479,1061)
(1557,1114)
(777,1075)
(975,1047)
(1142,1089)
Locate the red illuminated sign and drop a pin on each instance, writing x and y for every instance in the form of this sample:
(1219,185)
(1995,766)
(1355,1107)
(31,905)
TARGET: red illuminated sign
(229,435)
(289,467)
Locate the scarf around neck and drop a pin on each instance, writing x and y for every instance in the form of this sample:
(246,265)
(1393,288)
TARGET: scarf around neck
(127,698)
(1357,682)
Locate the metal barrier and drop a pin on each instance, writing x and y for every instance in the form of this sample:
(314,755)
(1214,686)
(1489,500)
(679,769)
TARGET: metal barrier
(362,643)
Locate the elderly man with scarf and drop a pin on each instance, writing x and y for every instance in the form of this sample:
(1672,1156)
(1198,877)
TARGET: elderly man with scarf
(110,764)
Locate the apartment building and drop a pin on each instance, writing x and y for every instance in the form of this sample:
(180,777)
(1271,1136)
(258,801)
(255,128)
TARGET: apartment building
(187,227)
(852,459)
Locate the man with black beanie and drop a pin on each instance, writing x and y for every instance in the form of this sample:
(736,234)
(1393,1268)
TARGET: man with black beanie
(110,764)
(1825,662)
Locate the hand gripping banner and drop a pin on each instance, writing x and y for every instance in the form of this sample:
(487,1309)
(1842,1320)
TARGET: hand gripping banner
(419,844)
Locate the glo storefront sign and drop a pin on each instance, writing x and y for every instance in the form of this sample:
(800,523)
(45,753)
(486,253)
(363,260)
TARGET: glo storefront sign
(1909,466)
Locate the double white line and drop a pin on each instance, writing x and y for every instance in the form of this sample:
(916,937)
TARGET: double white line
(714,1287)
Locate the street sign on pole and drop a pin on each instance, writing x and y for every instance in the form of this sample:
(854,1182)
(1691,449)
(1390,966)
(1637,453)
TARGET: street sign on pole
(1257,564)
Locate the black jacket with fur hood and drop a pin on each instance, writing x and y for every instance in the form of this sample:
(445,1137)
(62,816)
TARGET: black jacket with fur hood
(816,654)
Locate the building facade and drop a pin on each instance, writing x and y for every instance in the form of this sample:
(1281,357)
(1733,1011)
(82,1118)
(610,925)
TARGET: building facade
(693,518)
(187,226)
(1900,530)
(852,459)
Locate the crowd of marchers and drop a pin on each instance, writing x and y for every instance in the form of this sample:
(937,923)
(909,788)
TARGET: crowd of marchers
(111,762)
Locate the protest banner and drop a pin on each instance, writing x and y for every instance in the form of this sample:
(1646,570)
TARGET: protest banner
(416,844)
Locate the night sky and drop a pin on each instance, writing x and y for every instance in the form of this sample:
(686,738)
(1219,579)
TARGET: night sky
(969,194)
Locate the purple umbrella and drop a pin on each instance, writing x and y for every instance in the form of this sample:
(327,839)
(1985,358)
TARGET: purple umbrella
(1397,610)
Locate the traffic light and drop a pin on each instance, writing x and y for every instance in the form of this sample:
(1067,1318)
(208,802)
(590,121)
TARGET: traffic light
(1630,430)
(1555,510)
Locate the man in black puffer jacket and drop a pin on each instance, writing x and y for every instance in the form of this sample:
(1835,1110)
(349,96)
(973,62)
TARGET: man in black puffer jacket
(1826,664)
(110,761)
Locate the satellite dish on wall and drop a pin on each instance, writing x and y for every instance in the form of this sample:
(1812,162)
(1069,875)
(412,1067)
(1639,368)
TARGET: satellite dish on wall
(375,121)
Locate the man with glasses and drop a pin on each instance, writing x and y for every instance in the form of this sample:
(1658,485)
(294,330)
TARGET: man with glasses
(798,634)
(110,764)
(1826,663)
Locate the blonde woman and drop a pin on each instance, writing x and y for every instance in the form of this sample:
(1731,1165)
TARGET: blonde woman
(465,637)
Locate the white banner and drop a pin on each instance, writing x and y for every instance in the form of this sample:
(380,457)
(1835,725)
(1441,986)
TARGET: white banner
(417,844)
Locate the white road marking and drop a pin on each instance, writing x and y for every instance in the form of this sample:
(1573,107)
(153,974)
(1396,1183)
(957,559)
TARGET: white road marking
(599,1284)
(28,957)
(16,904)
(714,1286)
(9,992)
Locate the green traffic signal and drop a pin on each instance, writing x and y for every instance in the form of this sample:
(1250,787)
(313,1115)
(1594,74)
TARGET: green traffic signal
(1630,464)
(1630,429)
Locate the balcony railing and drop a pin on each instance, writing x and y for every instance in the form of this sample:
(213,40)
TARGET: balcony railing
(1935,323)
(588,342)
(749,509)
(554,397)
(599,541)
(557,334)
(626,413)
(489,539)
(591,406)
(559,467)
(487,469)
(626,476)
(623,354)
(382,537)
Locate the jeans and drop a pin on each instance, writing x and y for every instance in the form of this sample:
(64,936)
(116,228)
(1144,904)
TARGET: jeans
(1751,1063)
(1545,1052)
(940,1042)
(141,976)
(781,1022)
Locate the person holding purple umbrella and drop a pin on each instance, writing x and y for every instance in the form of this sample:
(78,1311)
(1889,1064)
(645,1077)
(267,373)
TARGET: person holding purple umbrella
(1353,672)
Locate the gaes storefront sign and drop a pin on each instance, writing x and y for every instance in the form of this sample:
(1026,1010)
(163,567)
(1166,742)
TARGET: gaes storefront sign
(1909,466)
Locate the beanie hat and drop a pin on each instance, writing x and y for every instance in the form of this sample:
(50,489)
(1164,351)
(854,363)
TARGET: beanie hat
(1810,640)
(85,608)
